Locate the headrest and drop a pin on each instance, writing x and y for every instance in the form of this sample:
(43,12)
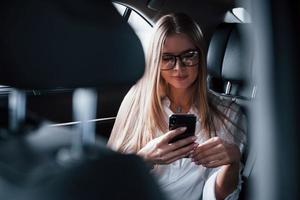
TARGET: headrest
(46,44)
(237,58)
(229,56)
(216,50)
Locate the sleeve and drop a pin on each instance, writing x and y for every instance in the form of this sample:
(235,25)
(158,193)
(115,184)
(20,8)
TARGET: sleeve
(209,186)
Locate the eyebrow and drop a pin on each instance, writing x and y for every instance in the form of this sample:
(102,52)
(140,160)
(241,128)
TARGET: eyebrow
(185,51)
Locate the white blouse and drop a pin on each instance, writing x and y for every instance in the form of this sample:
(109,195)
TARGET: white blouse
(184,180)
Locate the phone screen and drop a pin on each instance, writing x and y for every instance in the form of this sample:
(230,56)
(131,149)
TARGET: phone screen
(182,120)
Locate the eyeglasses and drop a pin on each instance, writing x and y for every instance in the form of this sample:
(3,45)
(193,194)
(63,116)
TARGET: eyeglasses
(189,58)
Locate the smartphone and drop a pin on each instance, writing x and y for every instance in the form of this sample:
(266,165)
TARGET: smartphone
(182,120)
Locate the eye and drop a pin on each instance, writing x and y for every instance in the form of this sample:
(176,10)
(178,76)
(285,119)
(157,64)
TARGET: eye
(190,58)
(167,58)
(190,54)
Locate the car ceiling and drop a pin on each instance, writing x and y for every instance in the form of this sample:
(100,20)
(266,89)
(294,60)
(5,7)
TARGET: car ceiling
(208,13)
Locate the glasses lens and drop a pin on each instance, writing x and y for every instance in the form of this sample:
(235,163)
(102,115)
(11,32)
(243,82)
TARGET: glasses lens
(168,61)
(190,58)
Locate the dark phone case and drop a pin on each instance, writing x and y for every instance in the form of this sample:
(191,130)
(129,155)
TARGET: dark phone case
(182,120)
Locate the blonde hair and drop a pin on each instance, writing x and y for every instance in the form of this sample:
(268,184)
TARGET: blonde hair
(141,113)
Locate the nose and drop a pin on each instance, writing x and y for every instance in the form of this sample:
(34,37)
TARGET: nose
(178,64)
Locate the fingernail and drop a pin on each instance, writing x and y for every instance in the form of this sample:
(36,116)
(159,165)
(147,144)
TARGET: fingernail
(194,138)
(182,129)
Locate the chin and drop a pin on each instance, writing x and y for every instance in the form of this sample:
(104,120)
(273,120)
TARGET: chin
(181,86)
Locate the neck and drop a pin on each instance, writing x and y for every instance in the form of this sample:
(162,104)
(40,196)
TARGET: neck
(181,99)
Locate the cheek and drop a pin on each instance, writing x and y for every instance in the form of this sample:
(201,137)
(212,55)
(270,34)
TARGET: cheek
(164,76)
(194,74)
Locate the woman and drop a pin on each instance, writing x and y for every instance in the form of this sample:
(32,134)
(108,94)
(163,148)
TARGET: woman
(175,80)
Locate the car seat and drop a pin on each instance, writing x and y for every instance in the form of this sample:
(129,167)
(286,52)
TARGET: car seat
(230,75)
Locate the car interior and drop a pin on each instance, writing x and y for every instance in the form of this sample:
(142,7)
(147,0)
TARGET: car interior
(65,69)
(43,160)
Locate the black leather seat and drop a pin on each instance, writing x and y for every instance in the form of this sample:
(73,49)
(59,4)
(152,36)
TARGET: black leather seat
(76,40)
(230,75)
(229,61)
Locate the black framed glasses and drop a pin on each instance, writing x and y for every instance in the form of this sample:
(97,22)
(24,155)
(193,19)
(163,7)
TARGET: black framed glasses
(189,58)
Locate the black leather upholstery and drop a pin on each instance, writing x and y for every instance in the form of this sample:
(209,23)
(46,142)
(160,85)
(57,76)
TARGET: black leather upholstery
(217,48)
(229,61)
(62,43)
(68,44)
(215,56)
(230,75)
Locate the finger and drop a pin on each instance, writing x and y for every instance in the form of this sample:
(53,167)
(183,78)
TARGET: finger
(209,144)
(172,134)
(184,151)
(214,164)
(178,157)
(182,143)
(200,154)
(212,158)
(175,158)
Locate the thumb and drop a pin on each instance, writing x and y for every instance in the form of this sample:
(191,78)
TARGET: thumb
(172,134)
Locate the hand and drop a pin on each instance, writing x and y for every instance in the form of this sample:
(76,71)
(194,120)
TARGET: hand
(215,152)
(160,151)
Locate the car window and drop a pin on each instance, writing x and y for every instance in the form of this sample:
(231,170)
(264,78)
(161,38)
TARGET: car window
(241,14)
(139,24)
(141,27)
(121,9)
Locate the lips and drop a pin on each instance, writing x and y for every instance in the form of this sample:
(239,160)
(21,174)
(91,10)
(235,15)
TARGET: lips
(180,78)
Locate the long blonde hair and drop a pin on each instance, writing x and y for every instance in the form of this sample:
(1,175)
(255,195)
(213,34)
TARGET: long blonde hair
(141,113)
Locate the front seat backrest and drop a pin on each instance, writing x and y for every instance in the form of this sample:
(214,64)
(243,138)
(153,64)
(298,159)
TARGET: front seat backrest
(61,43)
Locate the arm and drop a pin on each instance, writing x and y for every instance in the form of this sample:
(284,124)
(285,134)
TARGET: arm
(225,154)
(217,153)
(227,180)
